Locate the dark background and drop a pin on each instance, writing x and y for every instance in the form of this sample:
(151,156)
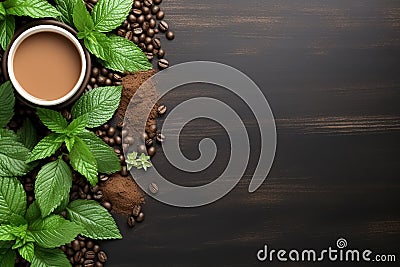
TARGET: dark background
(330,71)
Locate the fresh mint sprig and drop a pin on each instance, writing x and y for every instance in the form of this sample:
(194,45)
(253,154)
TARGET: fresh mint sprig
(31,8)
(88,154)
(114,52)
(141,162)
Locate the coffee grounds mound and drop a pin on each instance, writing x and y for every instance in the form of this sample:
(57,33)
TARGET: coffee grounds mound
(123,193)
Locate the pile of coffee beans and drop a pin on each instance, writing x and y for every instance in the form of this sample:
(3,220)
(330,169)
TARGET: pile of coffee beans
(85,252)
(142,26)
(137,216)
(101,76)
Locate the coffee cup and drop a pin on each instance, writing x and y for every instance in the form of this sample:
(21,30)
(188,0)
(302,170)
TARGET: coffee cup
(47,65)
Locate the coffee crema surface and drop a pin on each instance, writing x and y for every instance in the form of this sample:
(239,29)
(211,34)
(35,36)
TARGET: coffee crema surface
(47,65)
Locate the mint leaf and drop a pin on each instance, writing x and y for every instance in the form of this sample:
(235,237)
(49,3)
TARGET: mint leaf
(27,251)
(77,126)
(12,198)
(62,206)
(97,43)
(27,134)
(2,11)
(4,133)
(6,232)
(81,17)
(54,231)
(52,186)
(45,257)
(107,161)
(33,212)
(83,161)
(66,9)
(69,142)
(13,156)
(31,8)
(7,255)
(46,147)
(7,28)
(98,105)
(52,120)
(126,56)
(108,15)
(96,221)
(7,99)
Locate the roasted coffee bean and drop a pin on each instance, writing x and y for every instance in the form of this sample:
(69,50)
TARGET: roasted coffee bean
(75,245)
(135,25)
(150,32)
(137,4)
(101,79)
(151,151)
(153,128)
(161,53)
(125,23)
(162,109)
(99,264)
(103,178)
(131,221)
(148,17)
(141,149)
(153,188)
(146,10)
(128,27)
(135,40)
(142,46)
(145,26)
(141,19)
(70,252)
(105,127)
(129,35)
(170,35)
(149,142)
(144,136)
(98,195)
(157,2)
(95,72)
(160,137)
(150,48)
(160,15)
(163,26)
(88,263)
(102,256)
(90,255)
(140,217)
(124,171)
(107,205)
(90,244)
(117,77)
(155,9)
(66,114)
(142,38)
(131,18)
(118,140)
(163,63)
(152,23)
(121,158)
(29,187)
(136,210)
(149,56)
(92,80)
(148,40)
(96,248)
(78,256)
(111,132)
(137,12)
(157,43)
(108,82)
(148,3)
(94,189)
(111,142)
(104,71)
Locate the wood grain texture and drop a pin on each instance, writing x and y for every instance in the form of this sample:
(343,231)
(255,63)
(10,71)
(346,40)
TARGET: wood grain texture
(330,71)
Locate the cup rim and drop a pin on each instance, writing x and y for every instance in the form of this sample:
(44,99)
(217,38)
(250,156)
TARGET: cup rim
(10,64)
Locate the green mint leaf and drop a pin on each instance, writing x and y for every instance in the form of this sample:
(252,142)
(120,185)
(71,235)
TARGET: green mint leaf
(66,9)
(6,232)
(97,43)
(52,120)
(7,255)
(81,17)
(125,56)
(31,8)
(17,220)
(46,147)
(83,161)
(77,126)
(45,257)
(69,142)
(27,251)
(7,28)
(98,105)
(12,198)
(96,221)
(13,156)
(27,134)
(52,186)
(108,15)
(33,212)
(107,161)
(2,11)
(4,133)
(7,100)
(54,231)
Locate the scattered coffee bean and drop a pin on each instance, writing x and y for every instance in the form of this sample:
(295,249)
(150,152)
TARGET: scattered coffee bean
(90,255)
(163,26)
(102,256)
(160,15)
(107,205)
(140,217)
(153,188)
(124,171)
(161,53)
(163,63)
(151,151)
(131,221)
(136,210)
(149,142)
(162,109)
(170,35)
(160,138)
(103,178)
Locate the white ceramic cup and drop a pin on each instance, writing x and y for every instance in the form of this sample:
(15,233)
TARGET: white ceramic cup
(10,64)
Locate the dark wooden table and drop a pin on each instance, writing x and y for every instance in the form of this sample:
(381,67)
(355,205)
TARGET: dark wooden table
(331,73)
